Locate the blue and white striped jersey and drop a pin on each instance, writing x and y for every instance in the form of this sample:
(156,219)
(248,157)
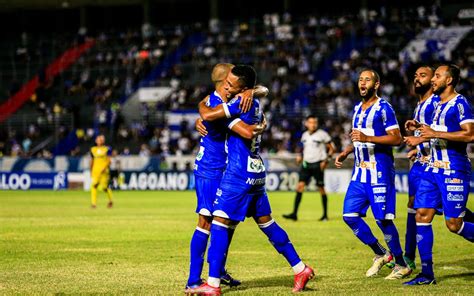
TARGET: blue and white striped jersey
(449,157)
(423,114)
(374,162)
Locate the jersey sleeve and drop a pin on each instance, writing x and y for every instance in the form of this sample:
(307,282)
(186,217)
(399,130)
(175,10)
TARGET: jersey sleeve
(464,112)
(232,108)
(109,151)
(388,117)
(327,138)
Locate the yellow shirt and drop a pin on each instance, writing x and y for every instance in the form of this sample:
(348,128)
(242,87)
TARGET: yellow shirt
(100,154)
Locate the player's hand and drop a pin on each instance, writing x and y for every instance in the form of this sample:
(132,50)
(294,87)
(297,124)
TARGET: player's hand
(261,127)
(323,165)
(260,91)
(200,127)
(340,159)
(411,125)
(299,159)
(427,132)
(246,100)
(358,136)
(413,141)
(411,155)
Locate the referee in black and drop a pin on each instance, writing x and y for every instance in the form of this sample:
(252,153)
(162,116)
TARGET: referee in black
(317,149)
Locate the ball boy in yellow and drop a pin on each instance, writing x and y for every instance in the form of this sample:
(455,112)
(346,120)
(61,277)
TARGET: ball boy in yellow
(100,173)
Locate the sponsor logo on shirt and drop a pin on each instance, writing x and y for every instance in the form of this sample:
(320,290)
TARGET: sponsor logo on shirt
(456,188)
(379,190)
(200,153)
(367,164)
(441,164)
(255,165)
(455,197)
(379,198)
(253,181)
(453,181)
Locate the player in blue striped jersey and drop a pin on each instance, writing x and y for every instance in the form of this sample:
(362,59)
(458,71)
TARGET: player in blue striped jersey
(446,180)
(427,102)
(242,191)
(374,132)
(209,167)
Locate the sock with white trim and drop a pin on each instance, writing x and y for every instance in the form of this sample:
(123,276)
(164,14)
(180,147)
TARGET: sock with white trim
(467,231)
(280,241)
(217,250)
(198,248)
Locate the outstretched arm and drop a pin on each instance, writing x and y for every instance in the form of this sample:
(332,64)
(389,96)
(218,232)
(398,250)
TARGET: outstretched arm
(343,155)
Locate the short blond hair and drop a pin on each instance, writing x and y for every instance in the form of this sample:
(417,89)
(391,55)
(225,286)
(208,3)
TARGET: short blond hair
(220,71)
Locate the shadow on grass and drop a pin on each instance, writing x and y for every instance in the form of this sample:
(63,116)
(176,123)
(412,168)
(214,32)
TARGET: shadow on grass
(464,270)
(284,282)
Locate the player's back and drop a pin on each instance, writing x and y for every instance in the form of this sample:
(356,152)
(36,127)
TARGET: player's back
(244,160)
(100,155)
(212,156)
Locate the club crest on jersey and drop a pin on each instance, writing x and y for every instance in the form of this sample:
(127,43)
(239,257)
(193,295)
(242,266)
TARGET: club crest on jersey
(255,165)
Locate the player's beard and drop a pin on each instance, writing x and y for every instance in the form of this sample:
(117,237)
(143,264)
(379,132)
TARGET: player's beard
(422,89)
(439,90)
(369,93)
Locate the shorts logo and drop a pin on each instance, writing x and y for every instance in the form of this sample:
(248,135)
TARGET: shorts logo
(455,197)
(379,190)
(455,188)
(255,165)
(453,181)
(219,192)
(379,198)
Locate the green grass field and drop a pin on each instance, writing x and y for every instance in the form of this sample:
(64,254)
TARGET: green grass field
(53,243)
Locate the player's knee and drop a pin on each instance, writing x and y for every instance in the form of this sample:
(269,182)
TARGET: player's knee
(204,222)
(351,221)
(454,224)
(300,187)
(423,216)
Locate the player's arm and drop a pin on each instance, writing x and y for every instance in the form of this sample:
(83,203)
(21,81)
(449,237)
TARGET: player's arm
(393,137)
(414,141)
(343,155)
(331,149)
(245,130)
(465,135)
(226,110)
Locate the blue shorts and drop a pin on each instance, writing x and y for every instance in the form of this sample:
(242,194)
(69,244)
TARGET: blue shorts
(414,178)
(447,191)
(206,190)
(380,197)
(237,201)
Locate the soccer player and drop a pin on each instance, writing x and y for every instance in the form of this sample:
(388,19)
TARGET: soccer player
(427,102)
(100,163)
(446,179)
(208,170)
(317,148)
(374,131)
(242,191)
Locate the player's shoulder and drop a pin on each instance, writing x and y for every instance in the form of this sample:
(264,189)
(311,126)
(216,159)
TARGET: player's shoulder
(460,99)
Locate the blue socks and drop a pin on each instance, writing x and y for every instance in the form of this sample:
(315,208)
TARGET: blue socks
(218,248)
(280,240)
(230,232)
(361,230)
(410,236)
(392,239)
(198,248)
(425,247)
(467,231)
